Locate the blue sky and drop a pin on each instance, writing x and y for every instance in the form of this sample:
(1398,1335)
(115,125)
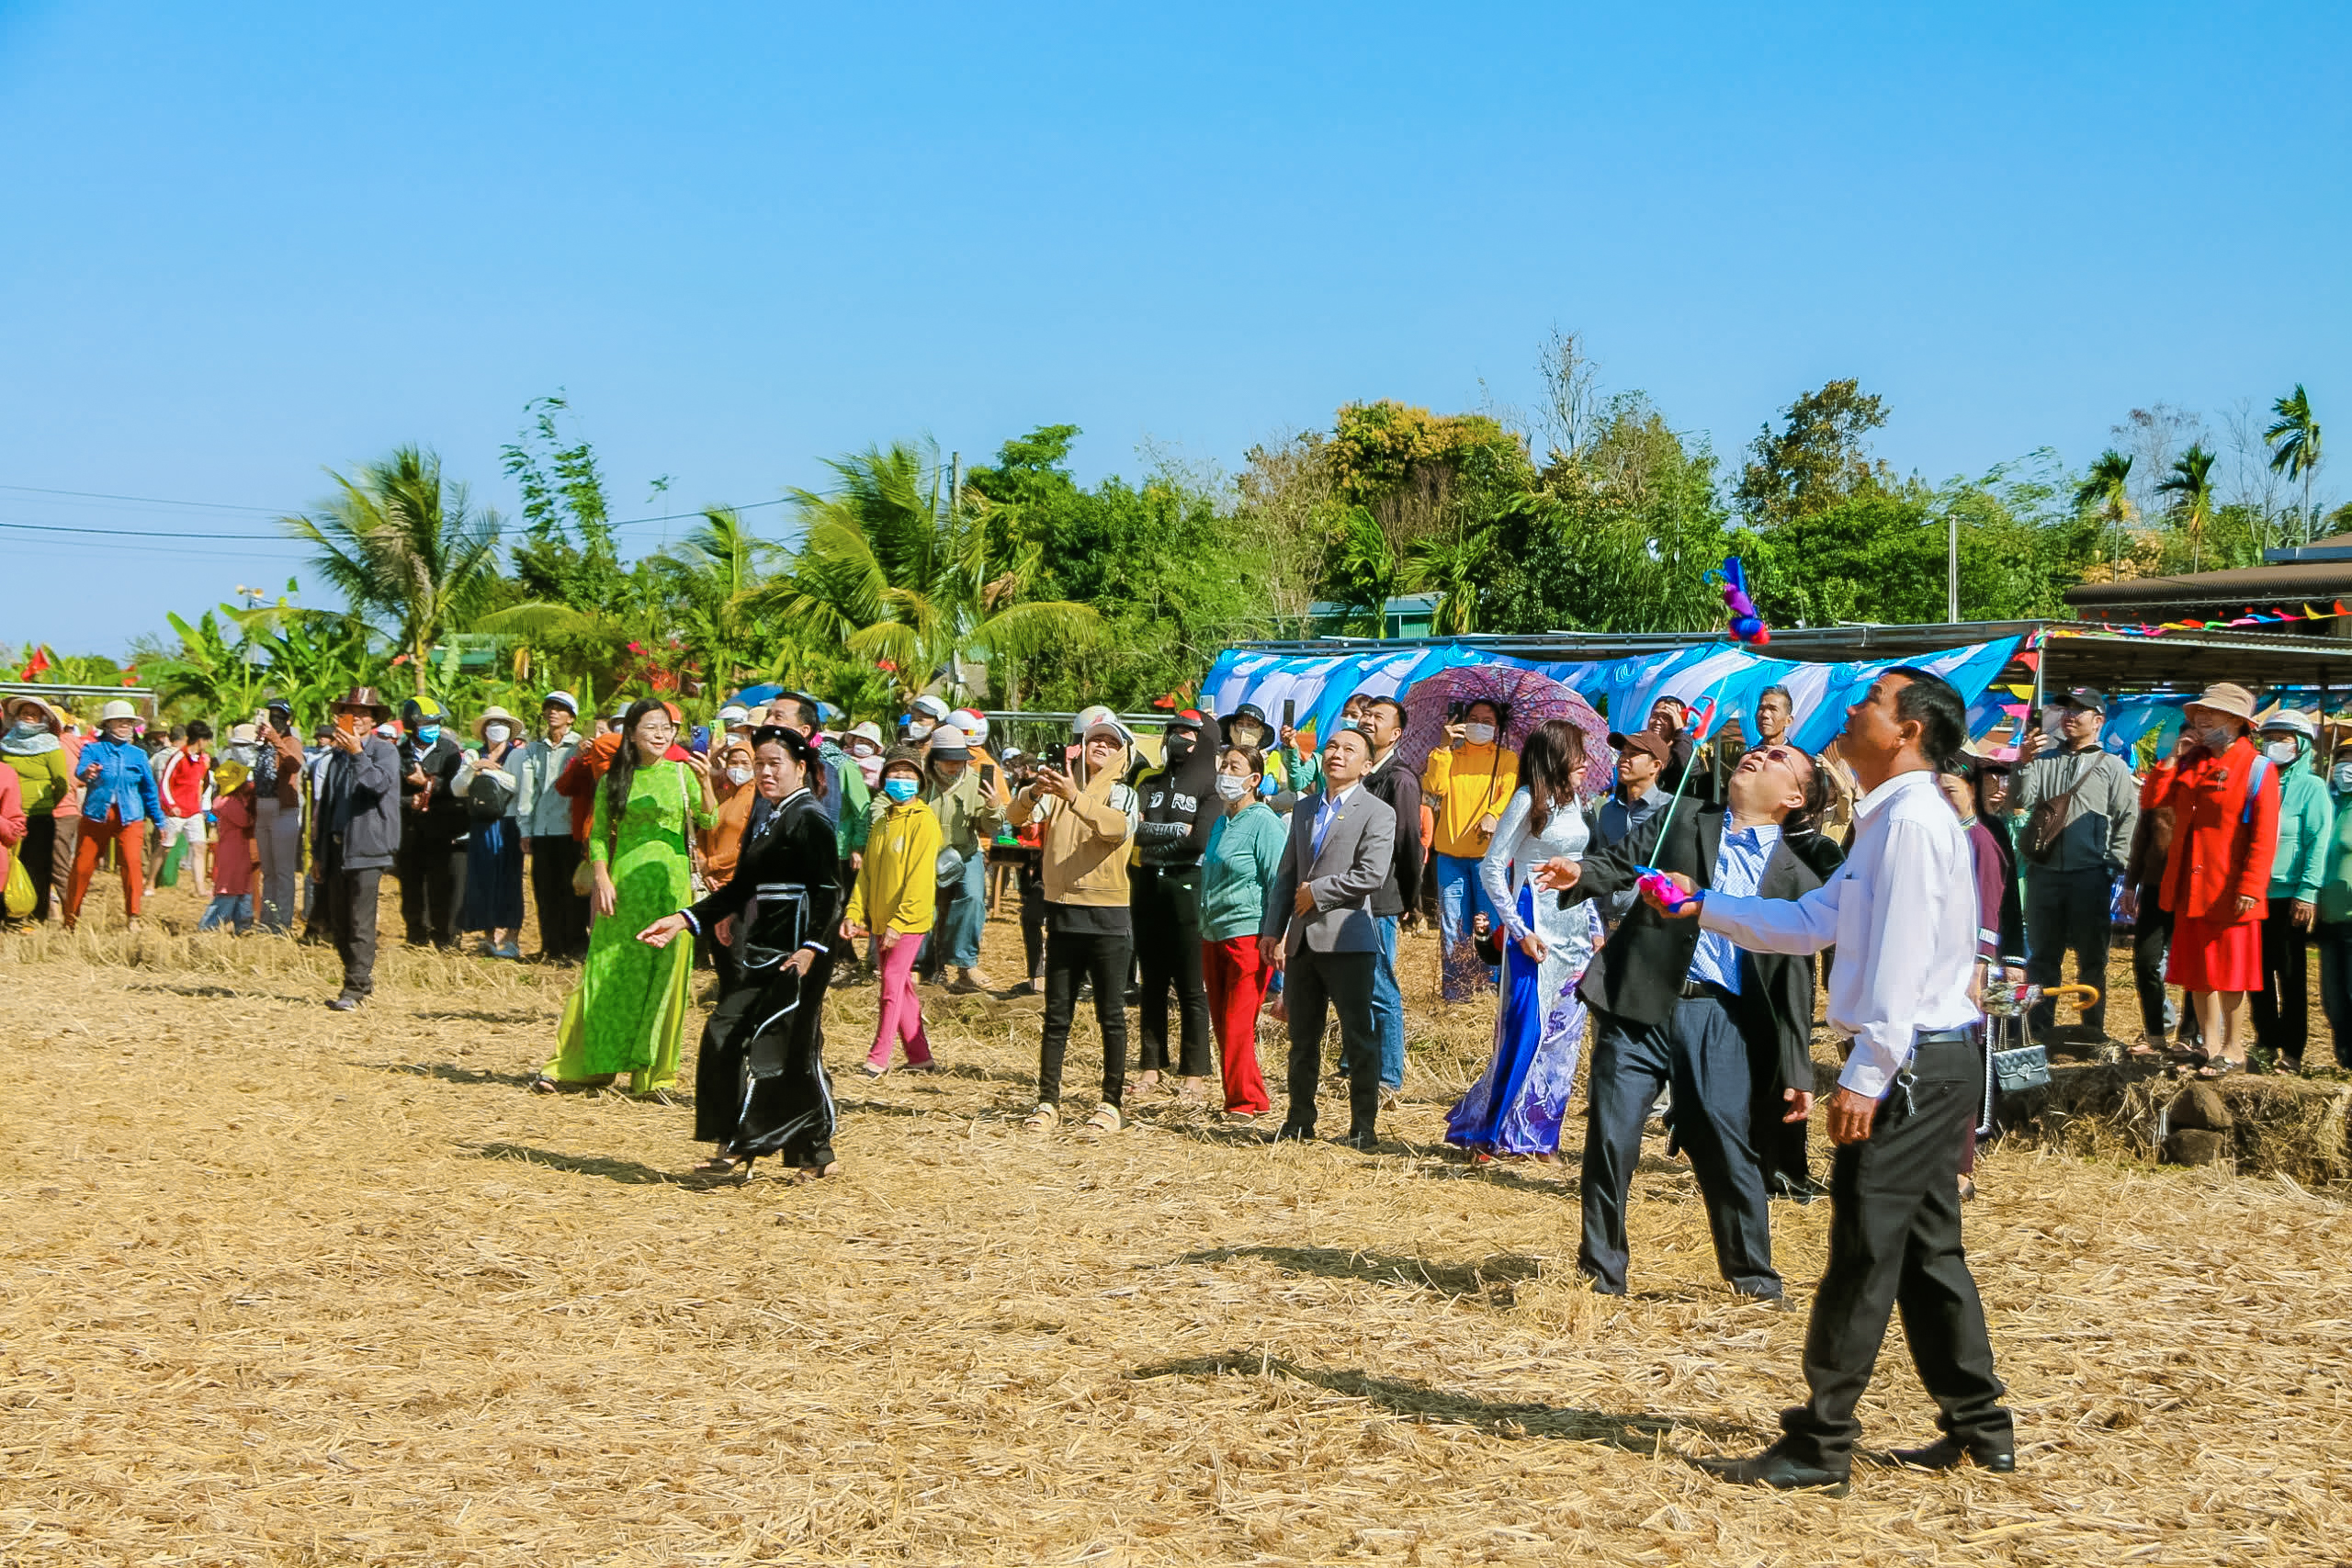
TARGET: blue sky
(241,242)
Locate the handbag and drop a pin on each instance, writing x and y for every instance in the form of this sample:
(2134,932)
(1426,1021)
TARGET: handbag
(19,898)
(2046,823)
(2026,1067)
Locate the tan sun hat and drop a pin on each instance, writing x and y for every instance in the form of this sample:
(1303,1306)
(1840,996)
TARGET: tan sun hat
(2229,697)
(48,716)
(497,715)
(117,709)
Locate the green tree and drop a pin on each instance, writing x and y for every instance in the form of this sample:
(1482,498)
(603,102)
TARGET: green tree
(2294,441)
(405,547)
(1817,459)
(566,554)
(2106,493)
(2190,485)
(1454,567)
(207,675)
(711,578)
(889,571)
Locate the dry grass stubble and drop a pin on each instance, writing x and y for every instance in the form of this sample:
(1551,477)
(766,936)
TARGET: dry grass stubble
(283,1287)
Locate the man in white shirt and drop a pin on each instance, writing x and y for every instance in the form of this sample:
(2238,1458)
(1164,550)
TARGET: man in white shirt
(1903,914)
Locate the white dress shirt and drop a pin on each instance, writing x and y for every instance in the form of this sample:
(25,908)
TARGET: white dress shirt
(1901,912)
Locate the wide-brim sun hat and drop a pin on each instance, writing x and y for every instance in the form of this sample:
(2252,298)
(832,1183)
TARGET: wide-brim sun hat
(48,716)
(497,715)
(2226,696)
(117,709)
(868,731)
(365,697)
(244,735)
(950,744)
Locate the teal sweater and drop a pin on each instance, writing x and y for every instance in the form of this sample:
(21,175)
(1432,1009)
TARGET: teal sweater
(1245,850)
(2336,892)
(2306,826)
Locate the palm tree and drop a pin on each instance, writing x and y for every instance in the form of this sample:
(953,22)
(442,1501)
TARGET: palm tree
(2293,439)
(711,576)
(888,571)
(2190,485)
(1453,566)
(1363,570)
(2105,492)
(401,544)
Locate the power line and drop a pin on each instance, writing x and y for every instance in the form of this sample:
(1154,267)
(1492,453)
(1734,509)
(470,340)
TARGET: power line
(156,533)
(292,510)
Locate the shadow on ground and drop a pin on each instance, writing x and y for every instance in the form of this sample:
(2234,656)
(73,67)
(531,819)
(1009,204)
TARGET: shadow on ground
(1644,1434)
(628,1172)
(1491,1277)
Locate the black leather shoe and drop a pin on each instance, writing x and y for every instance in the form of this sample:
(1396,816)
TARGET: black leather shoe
(1946,1453)
(1777,1301)
(1778,1471)
(1362,1143)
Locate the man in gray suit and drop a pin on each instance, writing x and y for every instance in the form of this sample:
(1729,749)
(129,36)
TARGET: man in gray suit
(1320,931)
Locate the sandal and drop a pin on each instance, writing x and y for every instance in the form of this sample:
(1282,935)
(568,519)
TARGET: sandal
(544,1085)
(1045,1119)
(1106,1118)
(808,1173)
(2220,1067)
(871,1071)
(719,1165)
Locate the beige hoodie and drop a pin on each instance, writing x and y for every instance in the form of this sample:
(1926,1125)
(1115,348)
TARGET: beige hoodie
(1086,839)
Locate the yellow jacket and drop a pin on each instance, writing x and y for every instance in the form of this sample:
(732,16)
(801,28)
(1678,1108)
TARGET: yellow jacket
(1467,785)
(898,888)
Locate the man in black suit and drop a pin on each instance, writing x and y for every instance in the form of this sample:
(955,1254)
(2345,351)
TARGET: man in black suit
(1671,1005)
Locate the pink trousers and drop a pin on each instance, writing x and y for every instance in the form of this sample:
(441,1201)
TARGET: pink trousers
(902,1009)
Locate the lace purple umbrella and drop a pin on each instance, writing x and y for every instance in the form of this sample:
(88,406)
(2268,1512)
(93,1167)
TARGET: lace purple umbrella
(1527,700)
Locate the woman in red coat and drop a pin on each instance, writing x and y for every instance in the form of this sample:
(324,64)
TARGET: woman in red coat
(2224,799)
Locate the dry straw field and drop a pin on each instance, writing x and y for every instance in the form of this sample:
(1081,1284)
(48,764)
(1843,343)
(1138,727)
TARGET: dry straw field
(285,1287)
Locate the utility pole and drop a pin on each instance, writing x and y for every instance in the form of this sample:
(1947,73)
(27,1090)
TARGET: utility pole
(954,482)
(1951,567)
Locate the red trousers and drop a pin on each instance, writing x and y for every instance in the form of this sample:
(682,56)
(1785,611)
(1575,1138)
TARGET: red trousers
(89,844)
(1237,980)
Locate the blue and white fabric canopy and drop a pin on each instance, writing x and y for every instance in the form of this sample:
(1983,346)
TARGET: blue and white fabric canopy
(1317,686)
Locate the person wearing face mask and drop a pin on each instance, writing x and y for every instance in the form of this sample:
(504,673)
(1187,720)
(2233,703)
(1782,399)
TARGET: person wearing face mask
(735,780)
(896,899)
(488,784)
(2080,804)
(1244,850)
(2224,796)
(119,799)
(925,715)
(2334,923)
(1246,726)
(2281,1005)
(967,822)
(543,818)
(1470,778)
(433,825)
(1164,901)
(35,753)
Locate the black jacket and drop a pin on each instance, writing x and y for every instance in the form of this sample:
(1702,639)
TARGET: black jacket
(1638,973)
(791,865)
(445,818)
(1401,788)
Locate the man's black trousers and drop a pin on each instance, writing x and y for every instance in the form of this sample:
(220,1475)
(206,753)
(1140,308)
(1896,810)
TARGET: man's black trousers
(2067,912)
(1894,1241)
(350,899)
(430,889)
(1315,985)
(1699,1051)
(1167,904)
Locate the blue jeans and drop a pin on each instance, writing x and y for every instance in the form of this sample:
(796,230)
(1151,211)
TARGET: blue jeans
(967,914)
(227,908)
(1459,897)
(1388,1007)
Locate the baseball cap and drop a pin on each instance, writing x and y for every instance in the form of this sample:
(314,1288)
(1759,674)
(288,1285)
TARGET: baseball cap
(1646,740)
(2090,697)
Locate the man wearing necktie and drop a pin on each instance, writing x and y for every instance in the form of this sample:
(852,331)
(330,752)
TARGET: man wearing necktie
(1319,931)
(1730,1032)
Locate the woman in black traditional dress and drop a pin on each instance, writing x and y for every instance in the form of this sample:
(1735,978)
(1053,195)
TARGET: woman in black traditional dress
(760,1085)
